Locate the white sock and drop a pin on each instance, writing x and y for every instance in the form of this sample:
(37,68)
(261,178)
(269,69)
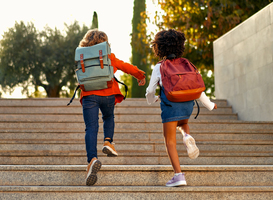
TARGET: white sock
(176,174)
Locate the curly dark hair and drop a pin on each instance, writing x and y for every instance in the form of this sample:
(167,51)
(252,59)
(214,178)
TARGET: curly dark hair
(169,42)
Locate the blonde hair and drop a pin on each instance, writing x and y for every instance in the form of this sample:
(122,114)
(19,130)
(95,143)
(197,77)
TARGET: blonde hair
(93,37)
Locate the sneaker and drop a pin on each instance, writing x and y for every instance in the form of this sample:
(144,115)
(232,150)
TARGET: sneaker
(177,180)
(109,149)
(92,170)
(188,140)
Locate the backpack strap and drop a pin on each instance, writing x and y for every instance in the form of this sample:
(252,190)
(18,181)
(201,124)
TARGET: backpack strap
(73,95)
(82,63)
(101,59)
(160,91)
(198,107)
(126,87)
(126,90)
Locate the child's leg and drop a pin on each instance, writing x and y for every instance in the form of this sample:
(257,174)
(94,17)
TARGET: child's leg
(169,131)
(91,118)
(184,124)
(107,109)
(188,140)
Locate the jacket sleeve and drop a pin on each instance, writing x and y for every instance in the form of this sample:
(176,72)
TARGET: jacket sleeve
(127,68)
(151,89)
(206,101)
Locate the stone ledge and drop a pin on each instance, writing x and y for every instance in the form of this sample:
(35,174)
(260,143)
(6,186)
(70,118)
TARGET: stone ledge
(124,131)
(136,189)
(142,168)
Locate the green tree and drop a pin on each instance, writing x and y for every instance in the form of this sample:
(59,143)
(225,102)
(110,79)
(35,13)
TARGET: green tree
(139,55)
(19,55)
(43,59)
(58,58)
(203,21)
(95,22)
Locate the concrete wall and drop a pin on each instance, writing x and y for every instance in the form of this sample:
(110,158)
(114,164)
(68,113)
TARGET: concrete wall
(243,64)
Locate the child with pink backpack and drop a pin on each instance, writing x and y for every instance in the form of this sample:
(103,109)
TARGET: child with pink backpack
(176,106)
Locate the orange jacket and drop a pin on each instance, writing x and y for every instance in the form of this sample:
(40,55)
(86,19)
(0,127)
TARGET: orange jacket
(114,90)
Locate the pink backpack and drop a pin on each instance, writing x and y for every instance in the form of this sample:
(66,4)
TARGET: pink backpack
(181,80)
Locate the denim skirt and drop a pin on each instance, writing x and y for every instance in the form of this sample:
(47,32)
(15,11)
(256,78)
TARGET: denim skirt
(174,111)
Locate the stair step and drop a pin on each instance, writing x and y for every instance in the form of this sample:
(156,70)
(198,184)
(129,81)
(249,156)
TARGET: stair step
(118,110)
(197,125)
(134,159)
(134,131)
(119,117)
(205,147)
(136,175)
(139,102)
(135,192)
(136,137)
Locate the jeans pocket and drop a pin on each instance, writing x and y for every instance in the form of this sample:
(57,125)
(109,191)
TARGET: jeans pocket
(111,101)
(89,102)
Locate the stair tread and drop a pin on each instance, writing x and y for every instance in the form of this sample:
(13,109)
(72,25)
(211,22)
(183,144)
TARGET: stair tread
(159,189)
(137,167)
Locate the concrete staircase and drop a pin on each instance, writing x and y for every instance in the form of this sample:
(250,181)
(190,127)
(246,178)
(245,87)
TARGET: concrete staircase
(42,154)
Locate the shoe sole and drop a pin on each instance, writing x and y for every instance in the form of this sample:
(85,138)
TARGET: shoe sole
(179,183)
(192,149)
(109,151)
(92,177)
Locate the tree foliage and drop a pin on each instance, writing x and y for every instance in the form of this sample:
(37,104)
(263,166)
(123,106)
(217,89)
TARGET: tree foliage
(18,54)
(43,58)
(203,21)
(95,21)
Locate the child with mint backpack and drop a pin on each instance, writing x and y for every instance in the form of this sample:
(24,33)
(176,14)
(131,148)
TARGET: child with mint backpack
(103,99)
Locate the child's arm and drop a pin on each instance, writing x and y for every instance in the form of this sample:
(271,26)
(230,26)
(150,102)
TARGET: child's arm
(151,89)
(128,68)
(206,102)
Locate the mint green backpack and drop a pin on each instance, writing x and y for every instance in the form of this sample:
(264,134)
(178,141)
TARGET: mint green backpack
(94,70)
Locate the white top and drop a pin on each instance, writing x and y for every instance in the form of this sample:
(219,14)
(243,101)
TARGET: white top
(151,89)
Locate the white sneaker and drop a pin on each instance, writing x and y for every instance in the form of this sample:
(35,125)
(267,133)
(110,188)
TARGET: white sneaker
(178,180)
(192,149)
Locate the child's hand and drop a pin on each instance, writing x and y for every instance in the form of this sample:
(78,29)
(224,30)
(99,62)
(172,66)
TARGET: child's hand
(215,106)
(141,82)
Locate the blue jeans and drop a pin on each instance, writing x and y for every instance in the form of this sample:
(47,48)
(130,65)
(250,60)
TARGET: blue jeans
(91,105)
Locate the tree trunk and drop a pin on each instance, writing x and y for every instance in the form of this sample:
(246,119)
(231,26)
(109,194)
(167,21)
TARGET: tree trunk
(53,91)
(138,56)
